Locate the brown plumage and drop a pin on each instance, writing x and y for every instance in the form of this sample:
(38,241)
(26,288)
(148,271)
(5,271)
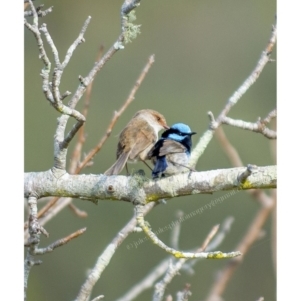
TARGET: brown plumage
(137,138)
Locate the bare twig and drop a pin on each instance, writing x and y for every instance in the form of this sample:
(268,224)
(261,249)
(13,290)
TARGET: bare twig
(146,282)
(228,148)
(61,141)
(258,127)
(75,159)
(219,237)
(267,205)
(59,242)
(249,238)
(177,254)
(209,237)
(50,42)
(175,234)
(53,211)
(274,214)
(34,230)
(116,116)
(274,232)
(245,175)
(162,267)
(41,13)
(60,205)
(59,68)
(214,243)
(53,96)
(127,7)
(270,116)
(77,152)
(98,298)
(80,213)
(273,145)
(105,257)
(51,203)
(34,29)
(160,287)
(184,295)
(111,125)
(28,264)
(215,123)
(78,41)
(175,267)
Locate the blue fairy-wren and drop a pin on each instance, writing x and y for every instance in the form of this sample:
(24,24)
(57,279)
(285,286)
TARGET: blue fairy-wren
(171,153)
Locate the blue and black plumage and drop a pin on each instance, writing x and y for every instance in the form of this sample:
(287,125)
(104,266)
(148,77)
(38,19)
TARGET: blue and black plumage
(171,153)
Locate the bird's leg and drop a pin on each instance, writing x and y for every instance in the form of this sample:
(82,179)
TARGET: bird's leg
(147,164)
(190,168)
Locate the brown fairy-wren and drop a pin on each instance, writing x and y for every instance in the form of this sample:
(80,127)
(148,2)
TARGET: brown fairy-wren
(137,138)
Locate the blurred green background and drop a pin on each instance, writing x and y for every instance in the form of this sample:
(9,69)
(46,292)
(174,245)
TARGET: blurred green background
(203,52)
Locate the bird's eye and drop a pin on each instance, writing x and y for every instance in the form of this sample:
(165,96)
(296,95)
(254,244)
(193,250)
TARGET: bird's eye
(158,118)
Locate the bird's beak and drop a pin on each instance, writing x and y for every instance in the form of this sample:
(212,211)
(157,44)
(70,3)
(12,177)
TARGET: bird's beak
(166,127)
(193,133)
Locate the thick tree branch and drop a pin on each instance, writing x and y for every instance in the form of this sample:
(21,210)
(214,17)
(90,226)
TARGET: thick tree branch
(139,189)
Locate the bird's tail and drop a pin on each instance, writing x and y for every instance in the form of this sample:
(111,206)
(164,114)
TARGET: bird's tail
(117,167)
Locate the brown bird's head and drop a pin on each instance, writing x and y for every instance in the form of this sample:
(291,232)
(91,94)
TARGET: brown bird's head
(156,119)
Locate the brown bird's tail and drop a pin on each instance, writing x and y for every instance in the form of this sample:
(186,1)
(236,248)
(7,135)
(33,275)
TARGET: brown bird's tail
(117,167)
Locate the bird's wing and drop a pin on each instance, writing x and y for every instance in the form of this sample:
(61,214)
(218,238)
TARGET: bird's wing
(154,151)
(171,147)
(144,139)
